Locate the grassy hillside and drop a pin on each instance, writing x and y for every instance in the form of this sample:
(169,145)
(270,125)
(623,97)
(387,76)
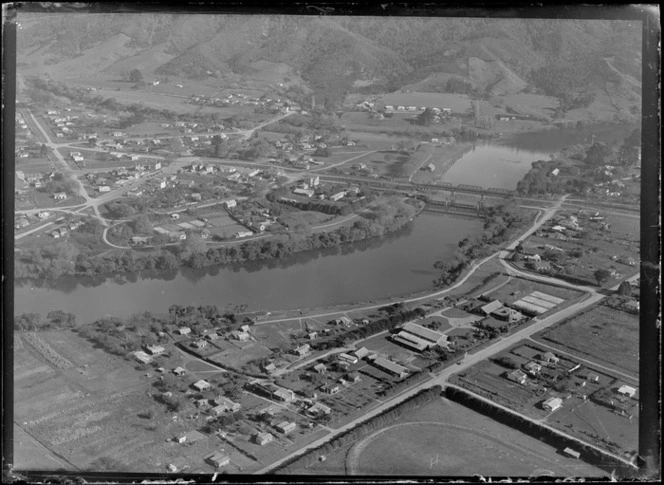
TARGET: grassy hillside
(331,54)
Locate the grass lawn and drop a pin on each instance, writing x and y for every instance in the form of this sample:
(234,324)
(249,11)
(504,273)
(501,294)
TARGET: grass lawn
(604,335)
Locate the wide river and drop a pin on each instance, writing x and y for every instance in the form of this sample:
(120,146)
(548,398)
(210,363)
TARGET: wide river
(396,265)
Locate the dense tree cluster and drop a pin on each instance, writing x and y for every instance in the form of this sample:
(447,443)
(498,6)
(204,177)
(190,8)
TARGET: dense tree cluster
(55,320)
(500,223)
(64,258)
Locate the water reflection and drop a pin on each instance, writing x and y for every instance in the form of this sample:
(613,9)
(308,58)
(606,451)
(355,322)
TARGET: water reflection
(397,264)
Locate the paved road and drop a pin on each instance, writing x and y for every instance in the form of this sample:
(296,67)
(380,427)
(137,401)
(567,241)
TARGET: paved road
(65,166)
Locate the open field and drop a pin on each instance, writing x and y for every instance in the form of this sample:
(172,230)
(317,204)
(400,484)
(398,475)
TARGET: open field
(444,438)
(606,335)
(443,158)
(34,165)
(592,422)
(530,104)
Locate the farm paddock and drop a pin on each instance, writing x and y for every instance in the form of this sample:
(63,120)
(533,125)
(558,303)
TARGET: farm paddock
(607,336)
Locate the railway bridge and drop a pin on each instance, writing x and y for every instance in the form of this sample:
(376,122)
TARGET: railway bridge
(466,189)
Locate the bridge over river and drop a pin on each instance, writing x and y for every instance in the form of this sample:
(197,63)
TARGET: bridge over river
(412,186)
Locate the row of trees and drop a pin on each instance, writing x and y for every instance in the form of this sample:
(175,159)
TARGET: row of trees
(55,320)
(363,430)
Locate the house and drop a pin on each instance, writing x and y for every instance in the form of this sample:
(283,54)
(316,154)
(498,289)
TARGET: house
(550,358)
(353,377)
(552,404)
(43,214)
(63,196)
(212,337)
(218,460)
(540,266)
(179,371)
(139,240)
(286,427)
(155,349)
(337,196)
(312,335)
(184,330)
(263,438)
(532,368)
(230,203)
(175,216)
(104,188)
(593,377)
(508,314)
(241,336)
(241,234)
(200,344)
(555,172)
(330,388)
(628,391)
(348,358)
(517,376)
(142,357)
(390,367)
(318,409)
(229,405)
(361,353)
(306,192)
(343,321)
(201,385)
(558,228)
(491,307)
(285,395)
(302,350)
(218,410)
(629,261)
(320,368)
(269,368)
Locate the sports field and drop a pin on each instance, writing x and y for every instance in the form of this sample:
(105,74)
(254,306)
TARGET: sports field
(445,438)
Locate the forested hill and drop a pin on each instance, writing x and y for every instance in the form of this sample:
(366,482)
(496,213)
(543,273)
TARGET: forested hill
(331,54)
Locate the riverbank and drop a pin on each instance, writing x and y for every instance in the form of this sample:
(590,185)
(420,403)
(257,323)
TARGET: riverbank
(390,219)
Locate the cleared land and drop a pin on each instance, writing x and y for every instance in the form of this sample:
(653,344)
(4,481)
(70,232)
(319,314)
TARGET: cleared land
(606,335)
(445,438)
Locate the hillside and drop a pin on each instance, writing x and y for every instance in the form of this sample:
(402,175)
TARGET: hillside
(334,54)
